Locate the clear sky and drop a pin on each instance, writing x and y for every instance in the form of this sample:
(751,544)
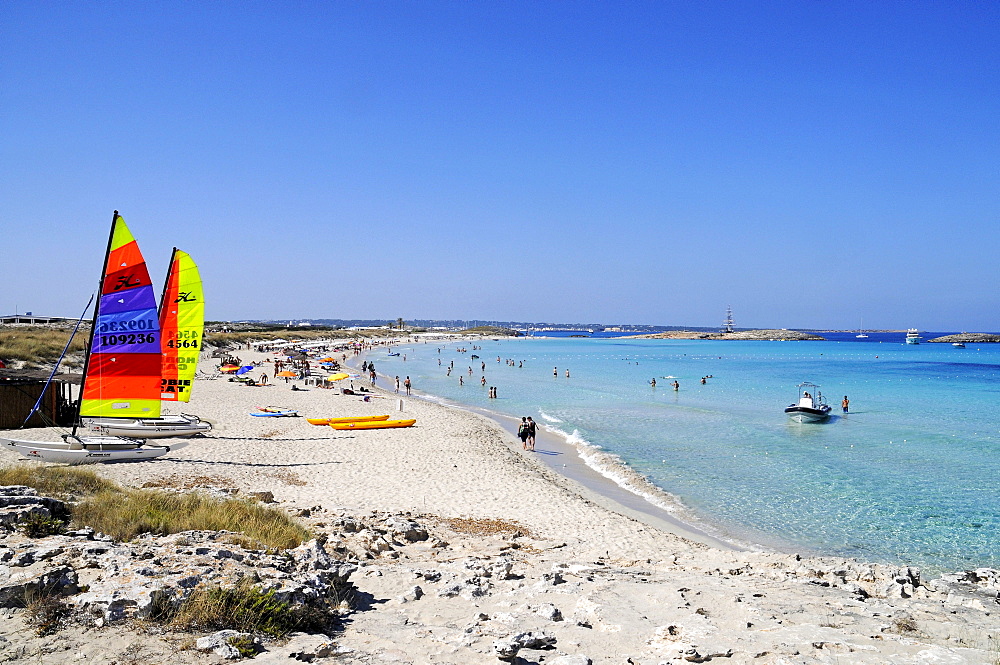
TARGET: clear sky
(809,163)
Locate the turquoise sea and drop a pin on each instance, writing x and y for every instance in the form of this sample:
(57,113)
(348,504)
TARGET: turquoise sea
(910,475)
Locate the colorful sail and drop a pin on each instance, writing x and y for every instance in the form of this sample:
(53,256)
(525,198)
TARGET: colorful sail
(122,377)
(182,321)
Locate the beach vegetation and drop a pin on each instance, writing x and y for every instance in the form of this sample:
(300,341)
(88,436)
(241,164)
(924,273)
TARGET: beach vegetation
(40,526)
(124,513)
(38,346)
(246,608)
(60,482)
(44,611)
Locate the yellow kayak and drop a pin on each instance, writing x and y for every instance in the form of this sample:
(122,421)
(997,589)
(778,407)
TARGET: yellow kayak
(356,419)
(384,424)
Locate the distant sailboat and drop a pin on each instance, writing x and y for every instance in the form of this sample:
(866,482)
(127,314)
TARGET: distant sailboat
(861,331)
(121,376)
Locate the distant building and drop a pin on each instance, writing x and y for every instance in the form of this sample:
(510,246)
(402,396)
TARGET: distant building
(30,319)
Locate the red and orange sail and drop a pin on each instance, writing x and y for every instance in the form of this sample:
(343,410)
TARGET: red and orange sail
(122,377)
(182,323)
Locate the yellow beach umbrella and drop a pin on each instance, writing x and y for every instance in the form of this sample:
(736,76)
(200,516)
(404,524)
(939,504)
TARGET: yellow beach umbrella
(339,376)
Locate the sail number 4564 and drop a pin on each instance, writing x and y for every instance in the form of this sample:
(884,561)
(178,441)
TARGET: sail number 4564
(130,338)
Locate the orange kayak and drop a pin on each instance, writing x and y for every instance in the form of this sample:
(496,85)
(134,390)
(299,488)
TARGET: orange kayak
(357,419)
(384,424)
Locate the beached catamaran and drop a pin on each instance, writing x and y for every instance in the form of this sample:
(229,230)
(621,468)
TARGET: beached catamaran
(182,324)
(122,371)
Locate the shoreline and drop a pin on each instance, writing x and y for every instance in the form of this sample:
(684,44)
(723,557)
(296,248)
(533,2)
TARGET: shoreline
(566,460)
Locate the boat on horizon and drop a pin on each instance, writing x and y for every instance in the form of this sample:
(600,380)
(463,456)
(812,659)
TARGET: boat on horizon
(912,336)
(810,407)
(861,331)
(122,370)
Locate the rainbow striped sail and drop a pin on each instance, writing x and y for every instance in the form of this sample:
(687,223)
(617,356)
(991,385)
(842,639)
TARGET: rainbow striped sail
(122,376)
(182,322)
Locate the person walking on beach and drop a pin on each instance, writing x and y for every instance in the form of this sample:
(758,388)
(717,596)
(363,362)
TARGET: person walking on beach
(522,432)
(397,383)
(531,434)
(845,404)
(407,384)
(371,375)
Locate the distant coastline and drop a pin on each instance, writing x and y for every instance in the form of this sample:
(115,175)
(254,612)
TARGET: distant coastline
(740,335)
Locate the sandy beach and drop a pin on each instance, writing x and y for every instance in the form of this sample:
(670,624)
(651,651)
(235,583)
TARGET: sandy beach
(608,581)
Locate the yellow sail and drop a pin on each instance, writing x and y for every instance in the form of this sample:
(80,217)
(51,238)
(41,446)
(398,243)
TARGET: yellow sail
(182,325)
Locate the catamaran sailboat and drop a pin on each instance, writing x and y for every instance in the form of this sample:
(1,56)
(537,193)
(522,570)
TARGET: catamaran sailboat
(182,323)
(122,372)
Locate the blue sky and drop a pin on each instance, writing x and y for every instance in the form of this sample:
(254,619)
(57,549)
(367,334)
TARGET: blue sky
(809,163)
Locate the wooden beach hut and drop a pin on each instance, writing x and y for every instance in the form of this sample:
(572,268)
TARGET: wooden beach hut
(20,389)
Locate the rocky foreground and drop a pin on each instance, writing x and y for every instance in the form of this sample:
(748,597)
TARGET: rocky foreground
(421,589)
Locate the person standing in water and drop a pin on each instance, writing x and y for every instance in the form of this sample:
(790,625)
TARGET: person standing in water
(677,386)
(845,404)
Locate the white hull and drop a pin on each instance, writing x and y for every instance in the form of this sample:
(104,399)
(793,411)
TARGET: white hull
(147,428)
(802,415)
(88,450)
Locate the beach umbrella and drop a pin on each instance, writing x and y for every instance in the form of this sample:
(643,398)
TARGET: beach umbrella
(286,373)
(339,376)
(328,359)
(243,370)
(229,368)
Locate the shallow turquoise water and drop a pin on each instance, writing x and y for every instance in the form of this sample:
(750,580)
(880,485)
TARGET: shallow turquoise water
(909,476)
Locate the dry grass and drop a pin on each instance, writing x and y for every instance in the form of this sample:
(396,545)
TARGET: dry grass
(247,609)
(486,527)
(128,513)
(125,513)
(55,481)
(37,345)
(45,612)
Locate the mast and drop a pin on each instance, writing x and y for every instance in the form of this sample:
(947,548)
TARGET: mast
(93,323)
(166,283)
(728,325)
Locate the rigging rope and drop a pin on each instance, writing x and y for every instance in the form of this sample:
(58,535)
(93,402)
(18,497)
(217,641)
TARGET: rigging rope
(55,369)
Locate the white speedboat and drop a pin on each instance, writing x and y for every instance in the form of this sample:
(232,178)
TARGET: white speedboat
(913,336)
(810,406)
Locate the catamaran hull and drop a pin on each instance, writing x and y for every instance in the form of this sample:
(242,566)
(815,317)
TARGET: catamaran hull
(87,453)
(147,428)
(803,414)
